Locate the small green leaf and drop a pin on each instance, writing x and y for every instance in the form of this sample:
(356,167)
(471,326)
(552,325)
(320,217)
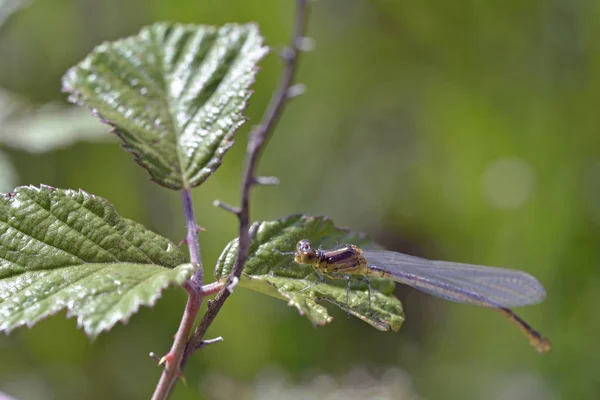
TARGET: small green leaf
(174,94)
(278,275)
(69,249)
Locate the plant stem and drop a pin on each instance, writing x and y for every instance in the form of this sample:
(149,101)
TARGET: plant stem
(180,352)
(256,143)
(192,237)
(172,360)
(212,288)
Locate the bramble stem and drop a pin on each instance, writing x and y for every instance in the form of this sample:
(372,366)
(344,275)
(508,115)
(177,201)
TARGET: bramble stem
(192,236)
(181,351)
(193,287)
(212,288)
(256,143)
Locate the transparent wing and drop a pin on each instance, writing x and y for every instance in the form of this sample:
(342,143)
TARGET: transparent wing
(461,283)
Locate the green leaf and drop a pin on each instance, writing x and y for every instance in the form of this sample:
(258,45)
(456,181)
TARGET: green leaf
(174,94)
(278,275)
(69,249)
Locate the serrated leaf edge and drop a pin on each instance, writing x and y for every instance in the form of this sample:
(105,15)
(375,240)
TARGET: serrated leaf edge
(75,97)
(93,334)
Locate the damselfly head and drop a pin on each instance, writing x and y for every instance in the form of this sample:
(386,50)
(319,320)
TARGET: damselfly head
(305,254)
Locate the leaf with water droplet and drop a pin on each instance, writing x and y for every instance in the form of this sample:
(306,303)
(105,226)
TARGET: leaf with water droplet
(269,272)
(69,249)
(174,94)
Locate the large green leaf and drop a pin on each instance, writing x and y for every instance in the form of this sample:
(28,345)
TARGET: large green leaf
(174,94)
(69,249)
(275,274)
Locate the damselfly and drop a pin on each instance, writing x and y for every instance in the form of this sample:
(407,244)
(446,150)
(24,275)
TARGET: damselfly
(496,288)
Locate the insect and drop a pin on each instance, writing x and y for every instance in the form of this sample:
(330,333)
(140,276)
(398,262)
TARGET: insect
(496,288)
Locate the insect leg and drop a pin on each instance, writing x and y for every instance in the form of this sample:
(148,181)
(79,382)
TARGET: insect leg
(348,296)
(369,290)
(286,253)
(321,279)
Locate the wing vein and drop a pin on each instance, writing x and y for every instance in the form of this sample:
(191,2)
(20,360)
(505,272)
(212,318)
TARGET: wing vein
(461,283)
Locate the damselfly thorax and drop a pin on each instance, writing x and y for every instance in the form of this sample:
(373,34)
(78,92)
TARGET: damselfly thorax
(346,260)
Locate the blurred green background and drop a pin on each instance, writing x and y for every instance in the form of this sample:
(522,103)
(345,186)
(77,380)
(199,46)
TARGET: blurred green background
(465,131)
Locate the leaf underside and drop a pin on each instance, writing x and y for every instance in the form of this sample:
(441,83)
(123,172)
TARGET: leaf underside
(69,249)
(174,94)
(278,275)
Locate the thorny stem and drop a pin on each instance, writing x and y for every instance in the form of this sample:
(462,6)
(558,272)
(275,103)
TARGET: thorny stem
(192,237)
(256,143)
(172,360)
(180,352)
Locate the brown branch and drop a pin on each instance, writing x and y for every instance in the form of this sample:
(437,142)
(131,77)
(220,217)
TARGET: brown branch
(256,143)
(181,351)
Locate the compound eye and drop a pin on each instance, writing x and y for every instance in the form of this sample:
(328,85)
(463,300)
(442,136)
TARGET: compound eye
(304,246)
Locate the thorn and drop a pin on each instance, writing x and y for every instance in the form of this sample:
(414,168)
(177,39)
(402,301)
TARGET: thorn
(182,242)
(265,180)
(226,207)
(295,90)
(288,54)
(166,360)
(234,281)
(200,228)
(305,43)
(153,355)
(207,342)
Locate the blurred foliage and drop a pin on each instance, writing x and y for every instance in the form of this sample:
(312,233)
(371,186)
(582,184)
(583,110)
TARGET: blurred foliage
(465,132)
(46,127)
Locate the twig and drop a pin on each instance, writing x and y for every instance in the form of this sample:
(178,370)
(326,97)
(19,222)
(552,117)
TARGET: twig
(256,144)
(172,360)
(266,180)
(192,237)
(208,342)
(212,288)
(226,207)
(180,352)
